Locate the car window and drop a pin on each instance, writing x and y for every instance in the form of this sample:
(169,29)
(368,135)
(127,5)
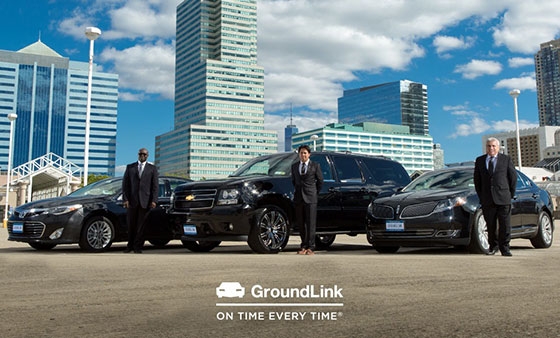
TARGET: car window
(347,169)
(522,181)
(100,188)
(443,179)
(270,165)
(386,172)
(325,167)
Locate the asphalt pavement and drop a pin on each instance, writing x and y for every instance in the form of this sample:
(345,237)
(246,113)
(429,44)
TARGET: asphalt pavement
(348,291)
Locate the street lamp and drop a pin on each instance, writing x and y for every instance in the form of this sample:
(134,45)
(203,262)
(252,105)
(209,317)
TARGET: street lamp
(92,33)
(515,93)
(314,138)
(12,117)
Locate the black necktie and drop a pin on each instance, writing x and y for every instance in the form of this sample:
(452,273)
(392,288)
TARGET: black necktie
(303,167)
(491,166)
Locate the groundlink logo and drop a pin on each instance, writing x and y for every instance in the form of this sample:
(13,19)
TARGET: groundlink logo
(312,302)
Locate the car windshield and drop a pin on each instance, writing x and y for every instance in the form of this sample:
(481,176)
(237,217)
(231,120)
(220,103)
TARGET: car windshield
(100,188)
(268,165)
(443,179)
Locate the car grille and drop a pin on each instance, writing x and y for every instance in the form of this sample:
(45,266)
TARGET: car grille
(194,199)
(30,230)
(418,210)
(383,212)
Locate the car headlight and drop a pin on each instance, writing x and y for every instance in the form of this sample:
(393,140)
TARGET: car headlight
(63,209)
(450,204)
(228,196)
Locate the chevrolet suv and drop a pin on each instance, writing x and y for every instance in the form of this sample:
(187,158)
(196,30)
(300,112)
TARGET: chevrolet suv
(254,204)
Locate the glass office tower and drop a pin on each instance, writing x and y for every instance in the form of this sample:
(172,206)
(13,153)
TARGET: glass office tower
(547,73)
(219,92)
(48,93)
(402,103)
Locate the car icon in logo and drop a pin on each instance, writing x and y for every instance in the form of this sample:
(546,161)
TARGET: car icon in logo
(230,290)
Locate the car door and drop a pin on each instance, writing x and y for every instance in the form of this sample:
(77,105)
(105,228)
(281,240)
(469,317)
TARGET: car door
(353,195)
(328,204)
(526,197)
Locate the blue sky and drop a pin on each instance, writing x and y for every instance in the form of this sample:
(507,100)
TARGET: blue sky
(470,54)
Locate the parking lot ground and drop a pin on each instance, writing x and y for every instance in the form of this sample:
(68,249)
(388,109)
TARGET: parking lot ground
(171,292)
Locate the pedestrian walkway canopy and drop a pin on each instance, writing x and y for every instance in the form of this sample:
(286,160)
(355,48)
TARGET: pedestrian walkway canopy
(47,176)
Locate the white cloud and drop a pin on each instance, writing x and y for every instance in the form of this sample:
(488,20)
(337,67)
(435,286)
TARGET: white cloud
(520,62)
(148,68)
(521,83)
(445,43)
(477,68)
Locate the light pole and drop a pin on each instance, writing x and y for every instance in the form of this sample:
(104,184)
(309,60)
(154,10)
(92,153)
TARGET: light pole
(12,117)
(92,33)
(314,138)
(515,93)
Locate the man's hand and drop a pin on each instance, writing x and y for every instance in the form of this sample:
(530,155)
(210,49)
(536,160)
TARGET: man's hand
(125,204)
(153,205)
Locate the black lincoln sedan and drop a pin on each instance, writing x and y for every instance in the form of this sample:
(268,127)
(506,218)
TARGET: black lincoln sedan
(92,216)
(441,208)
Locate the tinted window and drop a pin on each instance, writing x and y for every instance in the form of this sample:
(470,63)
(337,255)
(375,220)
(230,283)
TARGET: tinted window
(272,166)
(386,172)
(347,169)
(325,167)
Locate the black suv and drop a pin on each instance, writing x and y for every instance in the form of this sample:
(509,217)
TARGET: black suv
(254,204)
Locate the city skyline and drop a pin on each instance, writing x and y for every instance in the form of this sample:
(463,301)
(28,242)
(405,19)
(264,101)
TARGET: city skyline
(470,55)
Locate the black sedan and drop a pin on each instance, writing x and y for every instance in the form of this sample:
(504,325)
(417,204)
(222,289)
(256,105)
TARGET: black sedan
(92,216)
(441,208)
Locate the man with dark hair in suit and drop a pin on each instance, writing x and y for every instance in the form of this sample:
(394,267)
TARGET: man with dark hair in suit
(307,179)
(140,194)
(495,179)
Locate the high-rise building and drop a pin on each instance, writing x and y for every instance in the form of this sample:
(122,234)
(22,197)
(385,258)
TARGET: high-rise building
(219,92)
(547,73)
(291,129)
(402,103)
(48,93)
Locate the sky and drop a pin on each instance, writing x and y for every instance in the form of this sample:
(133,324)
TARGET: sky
(470,54)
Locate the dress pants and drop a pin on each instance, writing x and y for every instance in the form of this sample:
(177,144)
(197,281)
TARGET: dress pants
(306,218)
(498,217)
(136,219)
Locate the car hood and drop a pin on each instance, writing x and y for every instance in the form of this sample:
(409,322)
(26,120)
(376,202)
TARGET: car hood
(219,183)
(415,197)
(60,201)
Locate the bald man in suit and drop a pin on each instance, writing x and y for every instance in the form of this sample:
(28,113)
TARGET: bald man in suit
(140,194)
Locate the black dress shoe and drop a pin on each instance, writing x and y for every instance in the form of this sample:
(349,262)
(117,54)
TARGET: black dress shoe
(127,250)
(492,251)
(507,253)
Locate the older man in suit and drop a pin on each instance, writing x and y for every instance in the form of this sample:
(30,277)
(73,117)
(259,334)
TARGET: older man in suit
(307,179)
(495,179)
(140,194)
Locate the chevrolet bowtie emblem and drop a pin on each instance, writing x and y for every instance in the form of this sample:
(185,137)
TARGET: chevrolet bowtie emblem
(189,198)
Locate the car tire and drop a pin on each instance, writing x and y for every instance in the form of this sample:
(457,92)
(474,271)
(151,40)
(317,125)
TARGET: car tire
(159,243)
(544,236)
(323,242)
(478,243)
(97,234)
(386,249)
(41,246)
(200,246)
(270,231)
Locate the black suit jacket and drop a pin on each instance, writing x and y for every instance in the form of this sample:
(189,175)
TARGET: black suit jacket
(499,187)
(308,186)
(140,191)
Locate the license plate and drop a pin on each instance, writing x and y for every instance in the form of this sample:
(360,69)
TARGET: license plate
(394,226)
(17,228)
(189,229)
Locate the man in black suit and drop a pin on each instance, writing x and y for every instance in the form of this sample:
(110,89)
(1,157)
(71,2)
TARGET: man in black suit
(495,179)
(307,179)
(140,194)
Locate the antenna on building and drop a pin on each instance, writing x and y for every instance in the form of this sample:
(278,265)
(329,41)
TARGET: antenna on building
(291,124)
(39,35)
